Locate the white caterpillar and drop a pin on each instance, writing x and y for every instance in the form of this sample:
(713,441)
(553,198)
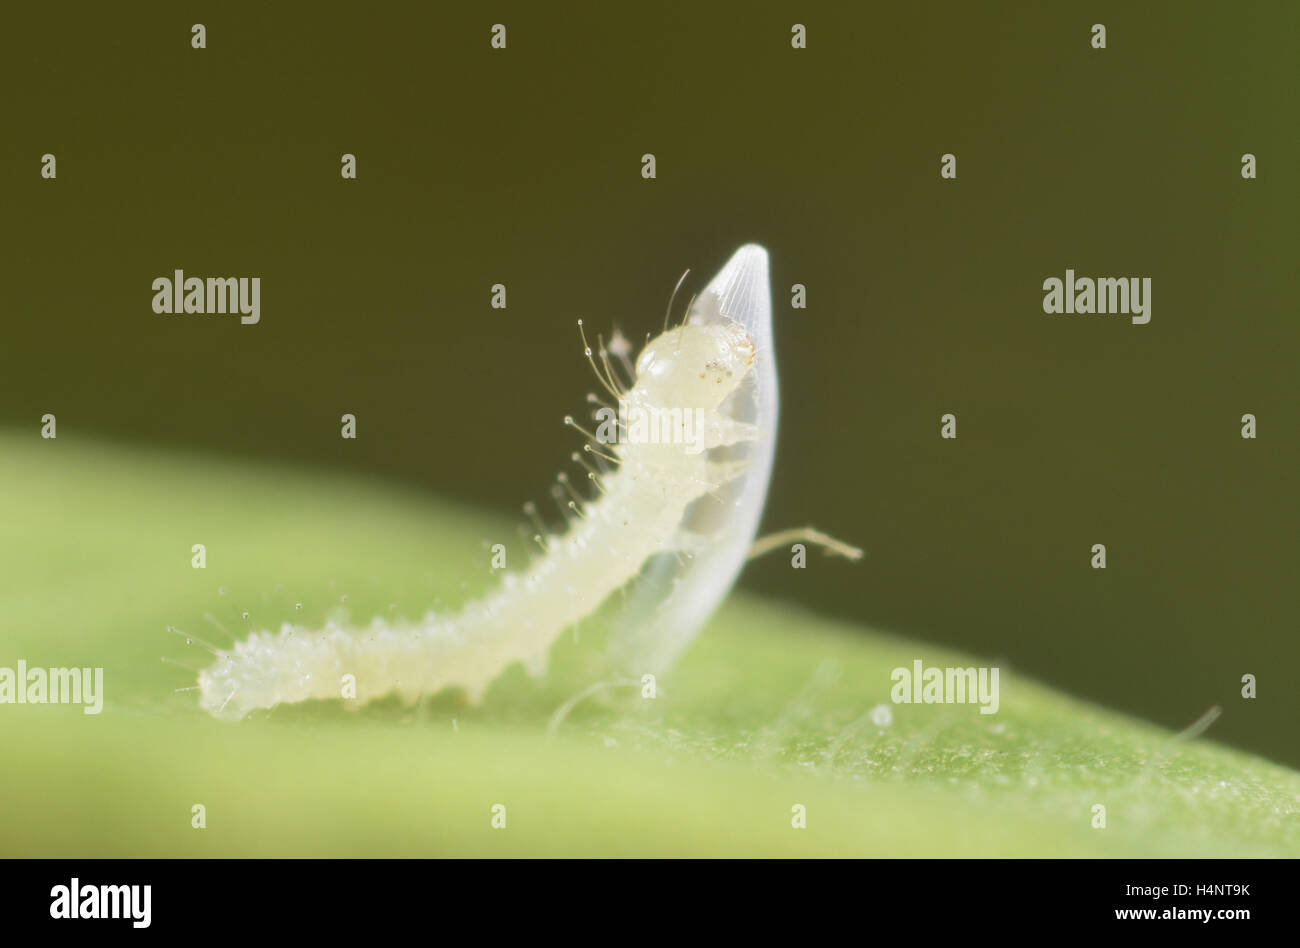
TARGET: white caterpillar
(681,517)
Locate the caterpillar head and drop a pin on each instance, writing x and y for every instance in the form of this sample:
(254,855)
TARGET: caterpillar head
(694,366)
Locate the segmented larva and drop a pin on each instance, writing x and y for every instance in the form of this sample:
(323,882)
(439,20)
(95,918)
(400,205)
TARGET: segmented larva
(682,515)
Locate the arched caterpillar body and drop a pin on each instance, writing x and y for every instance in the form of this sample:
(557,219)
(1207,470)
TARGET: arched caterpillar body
(681,514)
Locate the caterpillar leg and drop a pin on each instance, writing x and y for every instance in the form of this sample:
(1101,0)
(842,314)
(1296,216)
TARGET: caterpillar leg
(720,431)
(832,546)
(720,473)
(689,543)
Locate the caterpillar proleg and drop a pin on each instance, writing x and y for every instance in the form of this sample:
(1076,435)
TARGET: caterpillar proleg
(680,513)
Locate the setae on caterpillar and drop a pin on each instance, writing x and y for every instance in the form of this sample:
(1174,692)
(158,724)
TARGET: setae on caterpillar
(678,512)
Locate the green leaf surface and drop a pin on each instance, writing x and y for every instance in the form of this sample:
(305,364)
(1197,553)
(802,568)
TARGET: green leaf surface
(770,708)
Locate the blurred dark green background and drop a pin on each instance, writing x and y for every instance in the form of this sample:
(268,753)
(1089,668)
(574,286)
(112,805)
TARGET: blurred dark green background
(924,295)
